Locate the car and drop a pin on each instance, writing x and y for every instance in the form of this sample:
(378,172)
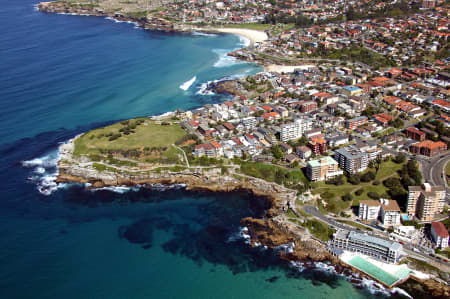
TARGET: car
(446,260)
(401,243)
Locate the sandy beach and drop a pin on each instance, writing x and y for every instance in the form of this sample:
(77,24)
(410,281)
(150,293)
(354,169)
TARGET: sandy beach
(254,36)
(286,68)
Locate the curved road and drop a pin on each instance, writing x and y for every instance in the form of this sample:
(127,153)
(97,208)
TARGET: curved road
(433,169)
(408,249)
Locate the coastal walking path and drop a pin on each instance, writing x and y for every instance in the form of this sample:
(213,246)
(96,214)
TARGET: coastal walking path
(184,154)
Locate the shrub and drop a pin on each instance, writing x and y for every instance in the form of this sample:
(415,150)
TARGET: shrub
(327,194)
(347,197)
(376,183)
(373,195)
(359,192)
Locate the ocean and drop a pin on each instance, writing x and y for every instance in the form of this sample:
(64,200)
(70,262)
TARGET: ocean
(62,75)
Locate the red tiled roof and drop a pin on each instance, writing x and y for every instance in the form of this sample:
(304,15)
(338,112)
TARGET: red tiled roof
(440,229)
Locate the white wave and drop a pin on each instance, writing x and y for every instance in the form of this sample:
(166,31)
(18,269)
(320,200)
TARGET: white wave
(245,42)
(374,287)
(161,187)
(242,234)
(117,189)
(35,7)
(298,265)
(225,60)
(401,292)
(204,87)
(39,169)
(204,34)
(45,172)
(114,20)
(165,114)
(187,84)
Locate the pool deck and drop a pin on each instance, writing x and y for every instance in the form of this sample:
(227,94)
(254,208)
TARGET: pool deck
(389,275)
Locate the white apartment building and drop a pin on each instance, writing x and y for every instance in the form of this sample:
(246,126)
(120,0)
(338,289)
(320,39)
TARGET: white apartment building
(295,129)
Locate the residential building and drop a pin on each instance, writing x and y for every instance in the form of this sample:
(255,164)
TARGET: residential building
(369,210)
(387,210)
(352,159)
(377,248)
(439,234)
(428,148)
(352,90)
(308,106)
(295,129)
(337,140)
(303,152)
(354,123)
(425,201)
(322,169)
(318,146)
(415,134)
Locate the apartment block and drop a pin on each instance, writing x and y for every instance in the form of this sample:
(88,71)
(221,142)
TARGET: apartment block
(387,210)
(323,169)
(428,148)
(425,201)
(356,122)
(415,134)
(318,146)
(295,129)
(352,159)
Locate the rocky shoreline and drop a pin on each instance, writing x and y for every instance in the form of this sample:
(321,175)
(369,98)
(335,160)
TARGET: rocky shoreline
(272,231)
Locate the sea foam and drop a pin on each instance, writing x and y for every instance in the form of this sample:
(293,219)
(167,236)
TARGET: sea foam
(45,172)
(195,33)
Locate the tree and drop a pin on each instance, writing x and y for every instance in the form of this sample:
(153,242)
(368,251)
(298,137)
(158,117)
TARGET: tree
(400,158)
(359,192)
(373,195)
(368,176)
(354,179)
(347,197)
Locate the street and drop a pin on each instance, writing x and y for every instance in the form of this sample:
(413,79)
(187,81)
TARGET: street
(408,249)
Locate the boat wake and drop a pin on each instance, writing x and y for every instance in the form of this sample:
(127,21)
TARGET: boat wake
(185,86)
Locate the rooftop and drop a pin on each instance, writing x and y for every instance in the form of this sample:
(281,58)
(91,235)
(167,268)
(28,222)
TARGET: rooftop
(322,162)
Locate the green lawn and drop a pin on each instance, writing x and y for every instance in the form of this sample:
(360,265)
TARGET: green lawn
(273,173)
(147,134)
(354,224)
(336,204)
(137,139)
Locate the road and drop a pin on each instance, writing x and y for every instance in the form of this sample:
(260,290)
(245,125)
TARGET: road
(433,168)
(407,248)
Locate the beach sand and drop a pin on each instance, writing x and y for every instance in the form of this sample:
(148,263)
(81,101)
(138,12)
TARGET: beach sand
(286,68)
(254,36)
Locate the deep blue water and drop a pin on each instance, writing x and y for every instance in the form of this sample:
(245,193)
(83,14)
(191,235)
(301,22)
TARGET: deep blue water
(62,75)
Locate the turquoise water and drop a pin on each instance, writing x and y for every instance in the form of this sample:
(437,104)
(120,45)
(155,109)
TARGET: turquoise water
(62,75)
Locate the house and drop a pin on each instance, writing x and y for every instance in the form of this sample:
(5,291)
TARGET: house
(286,147)
(439,234)
(303,152)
